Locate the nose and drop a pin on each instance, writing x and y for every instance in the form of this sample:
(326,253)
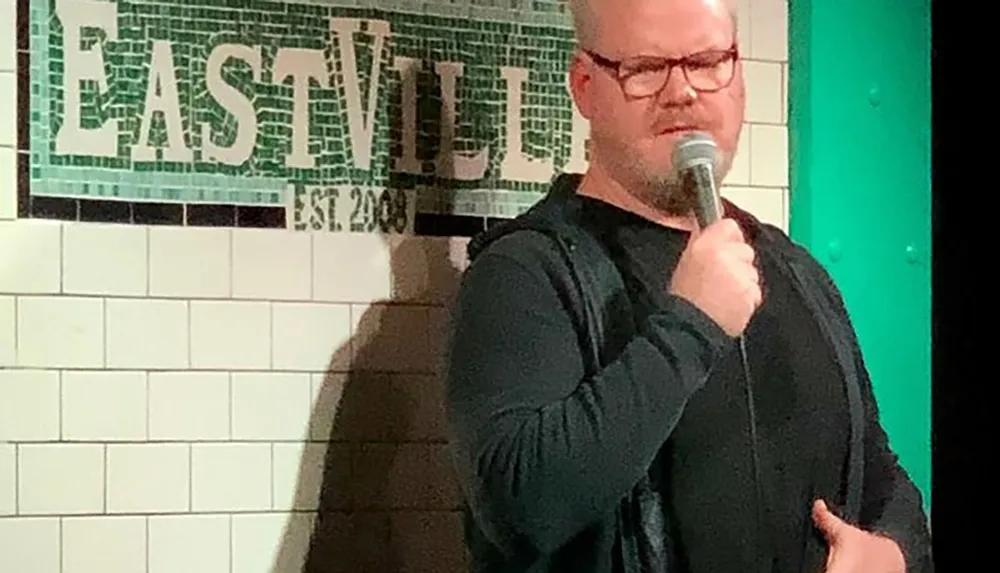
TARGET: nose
(677,91)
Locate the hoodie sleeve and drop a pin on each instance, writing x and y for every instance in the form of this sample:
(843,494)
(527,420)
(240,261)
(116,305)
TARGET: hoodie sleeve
(542,450)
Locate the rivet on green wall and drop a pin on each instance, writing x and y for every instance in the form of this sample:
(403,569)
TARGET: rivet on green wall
(859,142)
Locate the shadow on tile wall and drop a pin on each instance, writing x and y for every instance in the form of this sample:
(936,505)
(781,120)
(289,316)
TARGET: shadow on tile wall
(387,499)
(375,467)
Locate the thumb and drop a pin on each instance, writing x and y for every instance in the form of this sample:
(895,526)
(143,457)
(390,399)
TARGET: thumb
(832,526)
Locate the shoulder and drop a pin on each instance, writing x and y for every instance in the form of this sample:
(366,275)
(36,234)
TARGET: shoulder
(532,251)
(520,282)
(526,245)
(524,267)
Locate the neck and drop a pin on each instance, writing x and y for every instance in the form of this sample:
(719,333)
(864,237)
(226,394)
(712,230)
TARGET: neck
(600,185)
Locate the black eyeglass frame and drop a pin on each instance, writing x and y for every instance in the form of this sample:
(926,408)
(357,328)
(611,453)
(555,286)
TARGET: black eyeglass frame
(614,66)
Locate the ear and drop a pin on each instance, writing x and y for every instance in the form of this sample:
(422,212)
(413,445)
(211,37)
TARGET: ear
(580,82)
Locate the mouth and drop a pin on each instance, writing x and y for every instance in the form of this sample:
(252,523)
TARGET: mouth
(675,129)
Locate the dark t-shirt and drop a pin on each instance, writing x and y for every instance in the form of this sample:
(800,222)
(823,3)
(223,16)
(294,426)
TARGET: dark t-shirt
(706,469)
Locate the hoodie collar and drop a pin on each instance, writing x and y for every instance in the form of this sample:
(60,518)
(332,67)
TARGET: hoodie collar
(563,190)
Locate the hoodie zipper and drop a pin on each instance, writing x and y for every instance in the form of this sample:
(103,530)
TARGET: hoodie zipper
(755,453)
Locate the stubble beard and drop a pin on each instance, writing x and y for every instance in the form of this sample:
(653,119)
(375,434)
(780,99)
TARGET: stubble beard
(657,186)
(665,193)
(662,189)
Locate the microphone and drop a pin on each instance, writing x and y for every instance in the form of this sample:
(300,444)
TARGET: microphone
(694,161)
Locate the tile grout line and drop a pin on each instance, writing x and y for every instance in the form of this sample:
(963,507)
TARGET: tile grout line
(190,500)
(104,333)
(231,542)
(148,399)
(62,258)
(231,263)
(374,301)
(17,479)
(190,338)
(59,381)
(273,501)
(62,556)
(149,267)
(146,534)
(239,442)
(95,370)
(107,481)
(231,381)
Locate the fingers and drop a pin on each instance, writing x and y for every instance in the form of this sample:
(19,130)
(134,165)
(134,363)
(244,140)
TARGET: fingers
(832,526)
(757,295)
(744,256)
(727,232)
(731,230)
(744,253)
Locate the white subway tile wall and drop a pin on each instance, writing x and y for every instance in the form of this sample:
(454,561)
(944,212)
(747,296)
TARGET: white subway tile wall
(85,543)
(190,262)
(171,393)
(8,181)
(108,260)
(148,478)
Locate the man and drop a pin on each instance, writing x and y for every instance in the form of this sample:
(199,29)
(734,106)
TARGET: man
(628,393)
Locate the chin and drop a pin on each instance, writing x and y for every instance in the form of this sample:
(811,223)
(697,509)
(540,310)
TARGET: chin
(658,156)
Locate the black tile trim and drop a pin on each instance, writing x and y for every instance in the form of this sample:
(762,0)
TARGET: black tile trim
(23,185)
(261,217)
(435,225)
(22,19)
(60,208)
(205,215)
(202,215)
(23,101)
(98,211)
(141,213)
(158,214)
(22,15)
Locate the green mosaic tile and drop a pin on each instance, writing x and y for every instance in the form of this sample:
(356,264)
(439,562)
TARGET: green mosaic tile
(483,35)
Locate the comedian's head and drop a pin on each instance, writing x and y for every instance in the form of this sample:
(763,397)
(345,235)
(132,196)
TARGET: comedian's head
(639,105)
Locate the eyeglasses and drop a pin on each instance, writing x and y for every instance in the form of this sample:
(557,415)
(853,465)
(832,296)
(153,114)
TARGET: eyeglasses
(644,76)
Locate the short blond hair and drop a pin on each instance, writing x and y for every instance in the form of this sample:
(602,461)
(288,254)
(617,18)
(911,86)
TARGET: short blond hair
(584,15)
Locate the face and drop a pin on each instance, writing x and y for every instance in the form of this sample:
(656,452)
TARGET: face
(632,139)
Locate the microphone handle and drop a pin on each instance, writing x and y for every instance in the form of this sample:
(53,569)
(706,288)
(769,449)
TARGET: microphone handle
(701,178)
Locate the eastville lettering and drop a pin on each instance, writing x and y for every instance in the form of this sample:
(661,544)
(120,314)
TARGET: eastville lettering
(301,66)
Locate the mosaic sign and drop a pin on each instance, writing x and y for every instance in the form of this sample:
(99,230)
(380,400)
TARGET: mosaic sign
(355,118)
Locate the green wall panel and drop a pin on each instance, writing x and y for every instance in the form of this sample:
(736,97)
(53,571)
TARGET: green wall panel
(859,140)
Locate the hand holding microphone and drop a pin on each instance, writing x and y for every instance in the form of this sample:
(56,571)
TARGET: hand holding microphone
(716,271)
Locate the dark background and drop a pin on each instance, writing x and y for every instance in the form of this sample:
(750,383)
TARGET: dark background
(963,501)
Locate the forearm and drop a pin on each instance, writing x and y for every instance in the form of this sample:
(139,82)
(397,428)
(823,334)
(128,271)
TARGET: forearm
(544,474)
(543,450)
(892,505)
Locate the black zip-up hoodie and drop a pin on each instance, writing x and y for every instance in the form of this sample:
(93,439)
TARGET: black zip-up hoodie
(554,464)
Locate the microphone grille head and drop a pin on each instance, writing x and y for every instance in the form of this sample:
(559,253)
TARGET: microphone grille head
(693,149)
